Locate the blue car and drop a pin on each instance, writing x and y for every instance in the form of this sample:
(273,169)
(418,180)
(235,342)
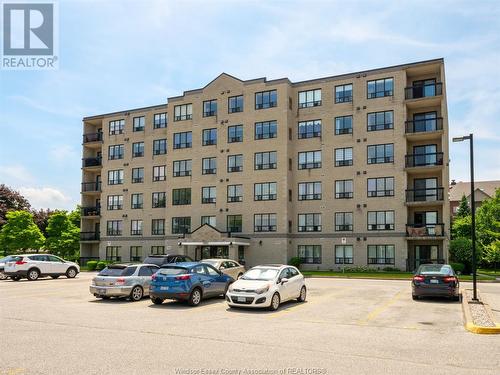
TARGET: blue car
(188,281)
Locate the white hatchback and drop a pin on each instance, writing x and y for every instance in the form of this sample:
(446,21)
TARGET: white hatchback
(267,286)
(33,266)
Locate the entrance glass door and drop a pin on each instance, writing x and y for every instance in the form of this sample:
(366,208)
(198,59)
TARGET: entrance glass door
(425,189)
(425,155)
(208,252)
(425,122)
(426,254)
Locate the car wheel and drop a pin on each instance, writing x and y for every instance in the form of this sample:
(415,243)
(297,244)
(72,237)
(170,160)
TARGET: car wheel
(16,278)
(303,294)
(33,274)
(55,276)
(157,301)
(2,276)
(136,294)
(275,302)
(195,297)
(71,273)
(455,298)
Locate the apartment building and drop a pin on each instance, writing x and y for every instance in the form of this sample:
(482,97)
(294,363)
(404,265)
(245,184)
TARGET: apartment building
(339,171)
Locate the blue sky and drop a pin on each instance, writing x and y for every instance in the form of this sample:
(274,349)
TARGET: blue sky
(116,55)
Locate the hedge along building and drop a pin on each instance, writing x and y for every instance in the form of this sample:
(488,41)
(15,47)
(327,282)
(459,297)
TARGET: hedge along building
(343,170)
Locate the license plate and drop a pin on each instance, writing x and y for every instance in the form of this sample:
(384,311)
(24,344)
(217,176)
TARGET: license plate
(434,281)
(101,291)
(163,287)
(241,299)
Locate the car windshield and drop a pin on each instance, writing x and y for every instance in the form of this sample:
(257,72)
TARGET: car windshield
(117,271)
(212,262)
(260,274)
(434,269)
(172,271)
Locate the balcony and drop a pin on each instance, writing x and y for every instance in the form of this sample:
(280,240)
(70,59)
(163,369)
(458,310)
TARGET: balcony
(265,228)
(89,237)
(424,162)
(429,196)
(424,231)
(91,187)
(92,162)
(92,138)
(423,91)
(425,128)
(90,211)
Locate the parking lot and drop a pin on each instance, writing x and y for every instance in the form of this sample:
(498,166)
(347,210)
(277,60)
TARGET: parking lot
(345,327)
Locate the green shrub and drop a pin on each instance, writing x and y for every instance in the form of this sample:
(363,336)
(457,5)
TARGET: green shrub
(358,269)
(92,265)
(461,252)
(458,267)
(295,261)
(100,265)
(391,269)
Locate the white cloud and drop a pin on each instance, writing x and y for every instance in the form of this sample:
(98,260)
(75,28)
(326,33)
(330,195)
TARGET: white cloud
(47,197)
(15,175)
(62,154)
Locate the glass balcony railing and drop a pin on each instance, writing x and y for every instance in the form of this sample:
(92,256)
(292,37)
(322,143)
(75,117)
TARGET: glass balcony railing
(424,91)
(424,125)
(92,162)
(424,195)
(92,137)
(424,160)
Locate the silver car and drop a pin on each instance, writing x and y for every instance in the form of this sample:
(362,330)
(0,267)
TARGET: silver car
(123,280)
(227,266)
(2,266)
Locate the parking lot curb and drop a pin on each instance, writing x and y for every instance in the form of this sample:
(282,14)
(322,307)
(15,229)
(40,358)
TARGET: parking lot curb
(469,322)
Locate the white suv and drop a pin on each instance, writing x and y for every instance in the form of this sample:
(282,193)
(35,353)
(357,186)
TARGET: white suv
(33,266)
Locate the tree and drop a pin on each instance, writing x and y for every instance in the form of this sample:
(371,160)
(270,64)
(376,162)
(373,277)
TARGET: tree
(74,216)
(41,219)
(11,200)
(461,251)
(462,227)
(20,233)
(488,221)
(63,237)
(463,208)
(492,254)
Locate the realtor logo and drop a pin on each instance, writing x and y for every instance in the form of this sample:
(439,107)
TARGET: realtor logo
(29,35)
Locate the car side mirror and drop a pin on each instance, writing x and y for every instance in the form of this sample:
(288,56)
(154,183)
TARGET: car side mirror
(222,268)
(284,280)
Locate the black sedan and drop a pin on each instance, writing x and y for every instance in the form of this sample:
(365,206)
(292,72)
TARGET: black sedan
(437,280)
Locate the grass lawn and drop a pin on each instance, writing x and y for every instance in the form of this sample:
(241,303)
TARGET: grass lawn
(381,275)
(489,271)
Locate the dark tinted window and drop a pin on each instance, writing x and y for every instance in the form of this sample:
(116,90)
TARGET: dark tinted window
(293,272)
(429,269)
(172,271)
(145,271)
(117,271)
(199,269)
(156,260)
(211,271)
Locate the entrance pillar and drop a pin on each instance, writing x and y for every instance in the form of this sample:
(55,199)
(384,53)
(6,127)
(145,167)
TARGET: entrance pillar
(233,252)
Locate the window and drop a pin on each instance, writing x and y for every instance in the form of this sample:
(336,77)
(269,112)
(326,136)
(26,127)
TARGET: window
(380,220)
(311,98)
(379,154)
(208,194)
(137,149)
(181,196)
(136,227)
(137,201)
(265,130)
(309,159)
(309,191)
(113,253)
(310,223)
(115,202)
(235,104)
(209,166)
(343,157)
(158,250)
(309,254)
(137,175)
(235,163)
(159,200)
(380,120)
(209,137)
(115,152)
(159,146)
(114,227)
(182,168)
(235,193)
(182,140)
(343,93)
(139,123)
(266,99)
(235,133)
(381,187)
(181,225)
(160,120)
(116,127)
(343,221)
(265,191)
(115,177)
(234,223)
(309,129)
(159,172)
(343,254)
(380,88)
(157,227)
(343,189)
(265,160)
(264,223)
(209,108)
(343,125)
(183,112)
(135,253)
(210,220)
(380,254)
